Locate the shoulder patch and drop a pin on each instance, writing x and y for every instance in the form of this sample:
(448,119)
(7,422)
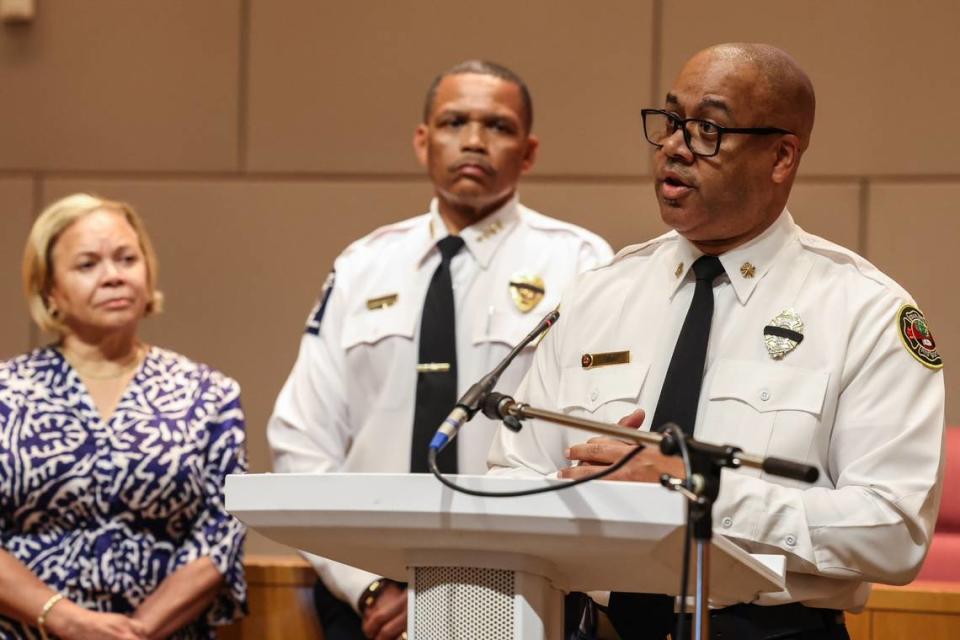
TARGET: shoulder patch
(316,314)
(916,337)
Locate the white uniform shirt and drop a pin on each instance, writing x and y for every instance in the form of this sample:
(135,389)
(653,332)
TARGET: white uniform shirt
(850,398)
(348,404)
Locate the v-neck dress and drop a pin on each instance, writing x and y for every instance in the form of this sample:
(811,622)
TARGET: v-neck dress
(103,511)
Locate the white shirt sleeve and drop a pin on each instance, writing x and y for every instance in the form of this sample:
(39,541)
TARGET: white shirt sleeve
(309,431)
(884,463)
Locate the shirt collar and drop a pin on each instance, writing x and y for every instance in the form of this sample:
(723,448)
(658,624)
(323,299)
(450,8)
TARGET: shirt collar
(745,265)
(481,239)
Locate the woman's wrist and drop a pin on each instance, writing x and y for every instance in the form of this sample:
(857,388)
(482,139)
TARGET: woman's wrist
(150,625)
(45,610)
(63,620)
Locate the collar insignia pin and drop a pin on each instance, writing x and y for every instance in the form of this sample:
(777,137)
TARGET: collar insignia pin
(783,334)
(526,291)
(747,270)
(676,274)
(490,230)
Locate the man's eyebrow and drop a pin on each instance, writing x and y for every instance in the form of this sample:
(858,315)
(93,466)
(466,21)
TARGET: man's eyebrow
(716,103)
(672,99)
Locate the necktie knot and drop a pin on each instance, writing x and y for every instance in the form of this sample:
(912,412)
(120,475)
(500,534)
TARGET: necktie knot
(708,268)
(449,247)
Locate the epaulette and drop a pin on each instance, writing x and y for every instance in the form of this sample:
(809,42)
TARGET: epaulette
(866,268)
(387,230)
(536,220)
(643,248)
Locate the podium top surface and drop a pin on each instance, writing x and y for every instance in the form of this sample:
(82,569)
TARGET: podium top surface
(594,536)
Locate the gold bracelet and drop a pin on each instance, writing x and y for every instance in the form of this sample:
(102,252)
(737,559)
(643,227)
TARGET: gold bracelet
(42,618)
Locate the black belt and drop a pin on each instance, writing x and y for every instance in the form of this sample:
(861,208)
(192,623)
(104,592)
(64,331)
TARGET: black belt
(753,622)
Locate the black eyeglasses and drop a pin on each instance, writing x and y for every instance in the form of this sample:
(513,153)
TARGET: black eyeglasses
(703,137)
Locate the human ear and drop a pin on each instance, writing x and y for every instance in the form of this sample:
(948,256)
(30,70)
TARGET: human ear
(530,157)
(420,141)
(787,159)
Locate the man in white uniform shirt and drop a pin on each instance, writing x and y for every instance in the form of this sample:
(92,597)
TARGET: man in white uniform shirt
(417,311)
(807,352)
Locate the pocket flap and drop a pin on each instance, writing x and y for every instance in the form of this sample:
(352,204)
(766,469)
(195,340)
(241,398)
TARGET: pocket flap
(590,388)
(371,326)
(768,386)
(505,327)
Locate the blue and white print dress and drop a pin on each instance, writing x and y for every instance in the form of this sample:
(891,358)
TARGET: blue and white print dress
(104,511)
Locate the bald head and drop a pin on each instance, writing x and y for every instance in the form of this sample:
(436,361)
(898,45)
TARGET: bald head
(781,91)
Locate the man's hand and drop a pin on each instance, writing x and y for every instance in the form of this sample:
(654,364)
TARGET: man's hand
(386,618)
(598,453)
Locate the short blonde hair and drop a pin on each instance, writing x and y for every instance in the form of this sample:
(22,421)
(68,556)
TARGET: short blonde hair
(37,256)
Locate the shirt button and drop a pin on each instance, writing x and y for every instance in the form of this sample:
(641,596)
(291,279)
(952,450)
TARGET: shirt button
(790,540)
(727,522)
(764,395)
(594,394)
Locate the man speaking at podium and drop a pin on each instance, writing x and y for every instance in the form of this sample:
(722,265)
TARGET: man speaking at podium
(416,311)
(745,330)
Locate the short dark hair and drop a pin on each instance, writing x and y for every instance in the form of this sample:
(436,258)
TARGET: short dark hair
(484,68)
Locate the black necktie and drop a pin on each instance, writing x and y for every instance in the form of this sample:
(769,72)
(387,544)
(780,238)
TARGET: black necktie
(681,387)
(437,377)
(645,615)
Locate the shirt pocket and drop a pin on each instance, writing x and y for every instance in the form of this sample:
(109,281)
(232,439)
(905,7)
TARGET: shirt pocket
(380,352)
(373,326)
(506,328)
(494,338)
(614,388)
(765,408)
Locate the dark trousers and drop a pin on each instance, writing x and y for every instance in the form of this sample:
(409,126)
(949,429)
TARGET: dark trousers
(648,617)
(785,622)
(341,622)
(338,619)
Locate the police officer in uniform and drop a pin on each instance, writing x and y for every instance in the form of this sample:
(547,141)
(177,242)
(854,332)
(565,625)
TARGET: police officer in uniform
(744,329)
(415,312)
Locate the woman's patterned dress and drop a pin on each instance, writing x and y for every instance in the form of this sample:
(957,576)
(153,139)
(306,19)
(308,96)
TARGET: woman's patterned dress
(104,511)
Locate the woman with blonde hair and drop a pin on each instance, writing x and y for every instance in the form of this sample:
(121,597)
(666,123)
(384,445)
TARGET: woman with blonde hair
(113,453)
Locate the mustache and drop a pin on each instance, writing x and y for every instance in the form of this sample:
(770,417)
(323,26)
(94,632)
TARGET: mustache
(476,161)
(680,172)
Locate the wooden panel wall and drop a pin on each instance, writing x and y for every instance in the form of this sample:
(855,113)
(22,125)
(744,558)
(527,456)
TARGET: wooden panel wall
(259,137)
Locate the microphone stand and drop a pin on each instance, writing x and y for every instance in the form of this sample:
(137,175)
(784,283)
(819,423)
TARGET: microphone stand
(700,488)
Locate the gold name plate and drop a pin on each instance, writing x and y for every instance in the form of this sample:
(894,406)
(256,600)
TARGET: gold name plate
(591,360)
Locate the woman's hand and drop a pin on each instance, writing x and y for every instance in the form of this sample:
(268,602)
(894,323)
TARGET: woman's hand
(71,622)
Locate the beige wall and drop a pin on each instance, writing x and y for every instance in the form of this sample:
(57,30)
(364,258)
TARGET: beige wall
(258,137)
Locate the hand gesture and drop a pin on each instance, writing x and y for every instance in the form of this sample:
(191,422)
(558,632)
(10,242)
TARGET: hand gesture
(597,453)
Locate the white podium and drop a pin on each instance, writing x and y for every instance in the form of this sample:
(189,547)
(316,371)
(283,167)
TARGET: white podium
(492,568)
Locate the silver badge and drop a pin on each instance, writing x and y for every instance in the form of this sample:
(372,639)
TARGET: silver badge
(783,334)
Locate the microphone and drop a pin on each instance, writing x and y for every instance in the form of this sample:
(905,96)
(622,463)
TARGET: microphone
(468,405)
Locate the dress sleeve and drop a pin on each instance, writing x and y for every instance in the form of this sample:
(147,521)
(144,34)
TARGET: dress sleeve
(216,534)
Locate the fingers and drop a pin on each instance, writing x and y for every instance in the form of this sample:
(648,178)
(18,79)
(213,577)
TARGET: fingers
(391,603)
(394,628)
(634,420)
(598,451)
(580,471)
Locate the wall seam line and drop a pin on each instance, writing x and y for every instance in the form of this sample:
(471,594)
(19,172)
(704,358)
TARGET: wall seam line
(656,55)
(243,83)
(864,217)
